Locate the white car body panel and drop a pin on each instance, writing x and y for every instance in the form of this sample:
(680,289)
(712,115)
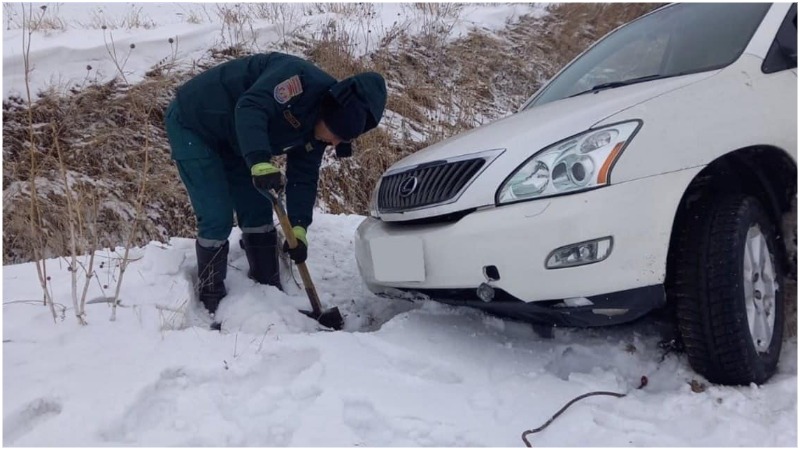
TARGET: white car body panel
(508,238)
(706,121)
(688,122)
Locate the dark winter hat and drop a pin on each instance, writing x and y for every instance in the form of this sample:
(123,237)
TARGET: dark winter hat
(354,105)
(345,121)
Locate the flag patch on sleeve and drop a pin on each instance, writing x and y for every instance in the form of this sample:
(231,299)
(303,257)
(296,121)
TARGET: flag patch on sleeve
(287,89)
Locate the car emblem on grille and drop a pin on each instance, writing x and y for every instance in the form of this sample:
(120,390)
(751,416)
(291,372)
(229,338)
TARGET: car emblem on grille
(408,186)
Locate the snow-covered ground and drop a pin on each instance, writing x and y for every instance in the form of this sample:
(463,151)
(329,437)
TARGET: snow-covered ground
(400,374)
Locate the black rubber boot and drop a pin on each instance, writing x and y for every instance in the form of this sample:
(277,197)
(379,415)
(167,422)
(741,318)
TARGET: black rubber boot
(262,255)
(212,268)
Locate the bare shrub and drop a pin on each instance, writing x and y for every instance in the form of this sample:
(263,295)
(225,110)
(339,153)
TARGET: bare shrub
(119,59)
(49,22)
(133,19)
(193,17)
(10,15)
(45,21)
(289,18)
(136,19)
(144,109)
(34,228)
(345,9)
(237,31)
(435,20)
(167,64)
(334,56)
(355,27)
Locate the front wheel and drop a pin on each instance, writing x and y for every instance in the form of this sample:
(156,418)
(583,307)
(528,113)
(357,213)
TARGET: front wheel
(728,285)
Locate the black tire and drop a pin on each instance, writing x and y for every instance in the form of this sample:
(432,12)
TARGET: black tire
(708,287)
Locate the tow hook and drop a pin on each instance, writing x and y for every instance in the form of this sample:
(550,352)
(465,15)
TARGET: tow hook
(485,292)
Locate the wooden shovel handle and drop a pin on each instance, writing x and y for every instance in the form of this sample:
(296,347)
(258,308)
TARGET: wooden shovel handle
(286,226)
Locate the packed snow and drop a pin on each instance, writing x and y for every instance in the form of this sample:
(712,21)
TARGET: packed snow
(401,373)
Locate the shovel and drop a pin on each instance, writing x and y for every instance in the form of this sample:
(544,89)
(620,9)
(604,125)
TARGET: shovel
(330,318)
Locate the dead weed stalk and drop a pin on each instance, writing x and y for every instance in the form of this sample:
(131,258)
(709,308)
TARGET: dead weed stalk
(36,226)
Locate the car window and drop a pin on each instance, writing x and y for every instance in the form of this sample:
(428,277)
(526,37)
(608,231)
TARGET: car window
(675,40)
(784,46)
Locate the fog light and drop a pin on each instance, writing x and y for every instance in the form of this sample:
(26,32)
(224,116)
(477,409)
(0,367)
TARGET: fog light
(579,254)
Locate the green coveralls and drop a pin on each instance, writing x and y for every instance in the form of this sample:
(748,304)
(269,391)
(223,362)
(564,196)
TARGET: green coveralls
(235,115)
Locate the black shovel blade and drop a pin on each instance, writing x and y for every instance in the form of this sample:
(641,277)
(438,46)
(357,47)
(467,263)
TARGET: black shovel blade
(330,318)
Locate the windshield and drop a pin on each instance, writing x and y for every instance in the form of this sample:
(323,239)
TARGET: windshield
(677,40)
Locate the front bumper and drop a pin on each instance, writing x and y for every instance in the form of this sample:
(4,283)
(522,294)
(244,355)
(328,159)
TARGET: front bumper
(518,238)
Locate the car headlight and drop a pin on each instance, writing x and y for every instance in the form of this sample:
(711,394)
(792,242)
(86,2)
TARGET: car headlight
(579,163)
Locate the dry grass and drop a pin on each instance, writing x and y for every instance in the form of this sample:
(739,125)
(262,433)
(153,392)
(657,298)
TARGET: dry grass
(237,31)
(345,9)
(46,19)
(194,18)
(436,21)
(289,19)
(100,132)
(133,19)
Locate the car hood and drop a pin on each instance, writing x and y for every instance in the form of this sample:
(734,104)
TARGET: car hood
(549,123)
(523,134)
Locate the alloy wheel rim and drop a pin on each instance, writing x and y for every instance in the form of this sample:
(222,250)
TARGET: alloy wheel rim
(760,289)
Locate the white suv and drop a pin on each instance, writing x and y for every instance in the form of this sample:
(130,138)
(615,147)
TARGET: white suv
(653,170)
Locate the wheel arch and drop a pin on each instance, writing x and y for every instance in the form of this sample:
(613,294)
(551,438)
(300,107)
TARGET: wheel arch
(766,172)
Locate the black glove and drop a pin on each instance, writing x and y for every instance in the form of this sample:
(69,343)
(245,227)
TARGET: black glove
(299,253)
(267,177)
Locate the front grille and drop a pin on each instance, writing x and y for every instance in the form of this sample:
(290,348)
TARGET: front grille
(435,183)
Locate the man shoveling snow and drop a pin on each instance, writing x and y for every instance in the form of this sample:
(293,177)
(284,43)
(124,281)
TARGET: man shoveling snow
(226,124)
